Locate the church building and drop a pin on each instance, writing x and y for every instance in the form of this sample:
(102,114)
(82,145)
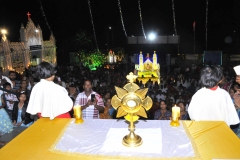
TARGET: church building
(31,50)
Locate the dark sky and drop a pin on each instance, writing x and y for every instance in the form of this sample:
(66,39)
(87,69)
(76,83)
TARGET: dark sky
(66,17)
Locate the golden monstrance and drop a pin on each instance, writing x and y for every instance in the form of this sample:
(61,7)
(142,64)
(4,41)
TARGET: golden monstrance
(131,102)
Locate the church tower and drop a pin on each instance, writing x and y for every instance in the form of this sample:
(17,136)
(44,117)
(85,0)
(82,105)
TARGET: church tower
(141,66)
(22,34)
(155,66)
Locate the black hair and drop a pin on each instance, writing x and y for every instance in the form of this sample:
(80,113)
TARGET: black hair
(210,76)
(6,84)
(89,80)
(45,70)
(23,81)
(22,92)
(235,86)
(11,72)
(182,103)
(162,101)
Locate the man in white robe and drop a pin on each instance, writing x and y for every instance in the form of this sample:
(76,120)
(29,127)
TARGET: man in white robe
(48,98)
(211,103)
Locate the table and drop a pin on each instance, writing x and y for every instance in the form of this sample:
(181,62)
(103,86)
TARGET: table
(213,139)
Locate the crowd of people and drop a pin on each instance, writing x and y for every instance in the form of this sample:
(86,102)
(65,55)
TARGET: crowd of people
(202,93)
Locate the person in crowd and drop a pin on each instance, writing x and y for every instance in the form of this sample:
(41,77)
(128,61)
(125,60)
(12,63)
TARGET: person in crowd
(211,102)
(106,96)
(180,99)
(16,84)
(90,101)
(153,109)
(109,111)
(31,83)
(6,125)
(8,99)
(48,99)
(60,81)
(237,81)
(162,113)
(4,79)
(183,113)
(23,88)
(19,115)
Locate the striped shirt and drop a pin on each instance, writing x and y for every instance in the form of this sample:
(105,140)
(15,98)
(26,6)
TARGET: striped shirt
(90,112)
(17,85)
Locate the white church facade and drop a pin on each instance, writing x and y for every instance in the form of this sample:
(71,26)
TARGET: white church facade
(31,50)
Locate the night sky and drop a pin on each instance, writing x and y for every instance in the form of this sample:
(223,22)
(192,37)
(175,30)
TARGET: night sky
(65,18)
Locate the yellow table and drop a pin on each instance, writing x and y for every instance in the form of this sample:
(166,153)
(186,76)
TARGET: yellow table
(212,139)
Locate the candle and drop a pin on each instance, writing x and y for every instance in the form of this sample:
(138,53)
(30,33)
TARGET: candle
(175,112)
(77,114)
(76,111)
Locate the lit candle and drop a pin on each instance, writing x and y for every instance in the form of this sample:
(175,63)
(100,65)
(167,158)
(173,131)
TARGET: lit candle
(175,112)
(77,111)
(78,114)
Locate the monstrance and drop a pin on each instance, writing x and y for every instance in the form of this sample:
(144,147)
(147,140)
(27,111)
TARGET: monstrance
(131,102)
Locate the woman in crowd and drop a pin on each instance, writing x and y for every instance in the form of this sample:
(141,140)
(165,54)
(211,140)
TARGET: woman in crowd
(109,111)
(8,99)
(212,102)
(6,125)
(183,113)
(19,116)
(106,96)
(162,113)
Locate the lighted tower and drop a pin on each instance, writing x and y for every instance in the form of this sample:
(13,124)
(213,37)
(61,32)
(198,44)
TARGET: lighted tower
(141,66)
(155,65)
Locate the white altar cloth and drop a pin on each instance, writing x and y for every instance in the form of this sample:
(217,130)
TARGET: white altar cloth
(113,142)
(94,137)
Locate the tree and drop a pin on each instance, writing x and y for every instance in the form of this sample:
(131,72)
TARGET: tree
(81,41)
(92,60)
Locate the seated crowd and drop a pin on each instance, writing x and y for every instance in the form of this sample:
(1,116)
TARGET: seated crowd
(23,97)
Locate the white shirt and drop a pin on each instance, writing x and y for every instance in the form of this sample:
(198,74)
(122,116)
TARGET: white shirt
(49,99)
(164,90)
(212,105)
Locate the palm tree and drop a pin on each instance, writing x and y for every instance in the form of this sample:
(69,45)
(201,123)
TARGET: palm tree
(81,41)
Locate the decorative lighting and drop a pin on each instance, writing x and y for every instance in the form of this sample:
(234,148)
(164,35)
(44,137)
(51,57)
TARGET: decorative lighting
(151,36)
(4,31)
(36,30)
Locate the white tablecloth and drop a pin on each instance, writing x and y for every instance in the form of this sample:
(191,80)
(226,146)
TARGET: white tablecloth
(95,137)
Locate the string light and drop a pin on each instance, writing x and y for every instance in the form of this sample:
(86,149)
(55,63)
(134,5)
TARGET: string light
(119,5)
(206,21)
(174,21)
(95,37)
(140,14)
(44,16)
